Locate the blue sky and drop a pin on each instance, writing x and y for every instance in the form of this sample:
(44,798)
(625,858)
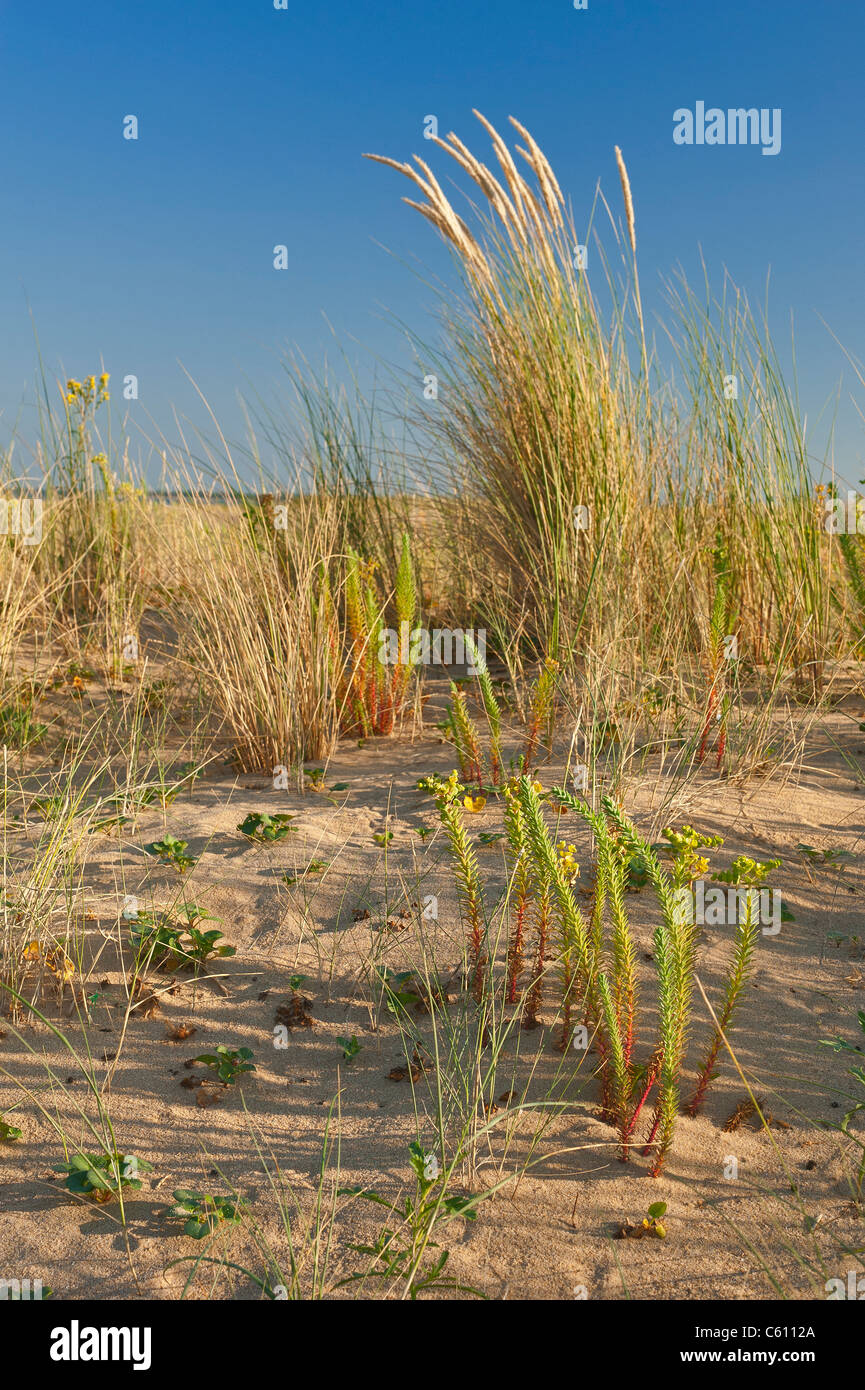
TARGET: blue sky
(252,121)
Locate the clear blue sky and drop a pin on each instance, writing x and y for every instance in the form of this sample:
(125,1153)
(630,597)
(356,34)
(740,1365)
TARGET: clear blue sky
(252,125)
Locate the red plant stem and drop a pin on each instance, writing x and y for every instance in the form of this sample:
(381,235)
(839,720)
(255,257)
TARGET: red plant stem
(566,1007)
(705,1076)
(640,1104)
(710,710)
(531,743)
(651,1139)
(373,700)
(535,994)
(515,954)
(629,1034)
(722,743)
(607,1112)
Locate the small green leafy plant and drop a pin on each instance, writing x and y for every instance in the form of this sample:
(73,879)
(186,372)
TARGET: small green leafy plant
(651,1225)
(19,727)
(157,939)
(204,1213)
(400,1254)
(8,1133)
(203,944)
(103,1176)
(350,1047)
(174,946)
(399,991)
(824,856)
(263,828)
(229,1063)
(173,852)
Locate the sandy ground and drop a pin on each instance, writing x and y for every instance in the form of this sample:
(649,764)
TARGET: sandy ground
(550,1235)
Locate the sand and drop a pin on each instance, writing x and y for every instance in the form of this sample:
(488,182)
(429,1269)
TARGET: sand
(548,1231)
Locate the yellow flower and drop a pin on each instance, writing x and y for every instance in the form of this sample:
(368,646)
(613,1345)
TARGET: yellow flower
(566,855)
(474,803)
(538,787)
(59,962)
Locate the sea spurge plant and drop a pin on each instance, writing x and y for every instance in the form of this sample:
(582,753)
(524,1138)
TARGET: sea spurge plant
(518,858)
(542,921)
(373,675)
(464,734)
(491,710)
(750,874)
(665,1066)
(468,882)
(611,994)
(675,944)
(683,848)
(567,858)
(433,783)
(541,710)
(715,659)
(613,868)
(553,878)
(444,789)
(596,956)
(612,958)
(487,769)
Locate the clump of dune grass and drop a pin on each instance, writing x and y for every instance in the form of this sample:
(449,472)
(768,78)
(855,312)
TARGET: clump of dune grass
(539,402)
(251,623)
(597,491)
(95,555)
